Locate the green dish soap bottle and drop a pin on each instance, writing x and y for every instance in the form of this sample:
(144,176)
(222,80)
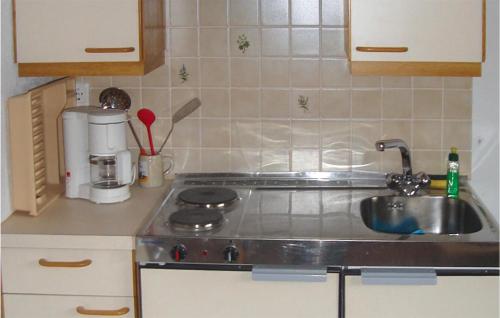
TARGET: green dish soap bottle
(452,174)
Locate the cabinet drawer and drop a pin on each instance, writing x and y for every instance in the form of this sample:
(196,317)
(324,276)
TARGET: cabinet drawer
(108,274)
(45,306)
(171,293)
(452,296)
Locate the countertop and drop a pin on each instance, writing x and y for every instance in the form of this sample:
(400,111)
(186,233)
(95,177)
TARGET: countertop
(77,223)
(286,227)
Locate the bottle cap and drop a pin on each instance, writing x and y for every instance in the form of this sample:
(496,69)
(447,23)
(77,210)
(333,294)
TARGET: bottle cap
(453,156)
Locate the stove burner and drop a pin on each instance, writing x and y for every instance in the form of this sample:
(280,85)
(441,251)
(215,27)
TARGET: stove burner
(196,219)
(208,197)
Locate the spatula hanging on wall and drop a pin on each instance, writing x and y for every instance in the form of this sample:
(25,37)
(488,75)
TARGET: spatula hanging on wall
(179,115)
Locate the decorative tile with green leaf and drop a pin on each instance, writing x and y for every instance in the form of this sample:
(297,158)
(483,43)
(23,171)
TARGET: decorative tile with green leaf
(303,102)
(243,43)
(183,73)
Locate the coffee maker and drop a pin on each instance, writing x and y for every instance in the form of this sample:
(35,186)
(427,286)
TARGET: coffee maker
(98,164)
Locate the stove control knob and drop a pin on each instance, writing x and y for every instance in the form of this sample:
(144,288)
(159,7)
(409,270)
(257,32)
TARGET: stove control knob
(178,252)
(231,254)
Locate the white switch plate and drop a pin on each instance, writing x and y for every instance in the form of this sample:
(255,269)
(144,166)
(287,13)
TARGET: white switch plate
(82,94)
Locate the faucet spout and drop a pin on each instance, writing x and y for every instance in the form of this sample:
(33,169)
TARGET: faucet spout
(381,145)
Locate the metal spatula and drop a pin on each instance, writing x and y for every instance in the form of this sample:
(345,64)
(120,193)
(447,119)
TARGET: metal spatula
(184,111)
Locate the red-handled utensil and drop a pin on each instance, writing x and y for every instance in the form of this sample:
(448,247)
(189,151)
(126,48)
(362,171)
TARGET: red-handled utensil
(147,117)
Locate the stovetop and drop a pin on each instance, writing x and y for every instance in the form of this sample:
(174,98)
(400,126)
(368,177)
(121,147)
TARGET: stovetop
(273,207)
(268,205)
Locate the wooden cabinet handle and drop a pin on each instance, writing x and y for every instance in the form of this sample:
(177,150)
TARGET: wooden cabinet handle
(378,49)
(109,49)
(98,312)
(45,263)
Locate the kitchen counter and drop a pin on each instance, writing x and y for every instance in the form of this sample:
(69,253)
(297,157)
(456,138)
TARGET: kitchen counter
(77,223)
(297,225)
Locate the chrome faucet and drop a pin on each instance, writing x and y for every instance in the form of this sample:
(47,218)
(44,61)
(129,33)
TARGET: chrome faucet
(407,183)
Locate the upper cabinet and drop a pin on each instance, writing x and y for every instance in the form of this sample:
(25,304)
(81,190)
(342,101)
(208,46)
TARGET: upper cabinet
(89,37)
(416,37)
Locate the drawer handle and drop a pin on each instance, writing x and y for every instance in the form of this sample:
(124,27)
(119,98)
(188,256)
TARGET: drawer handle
(45,263)
(289,274)
(398,276)
(109,49)
(97,312)
(381,49)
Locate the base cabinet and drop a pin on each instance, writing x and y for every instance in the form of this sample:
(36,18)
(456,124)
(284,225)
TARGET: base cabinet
(452,296)
(215,294)
(67,283)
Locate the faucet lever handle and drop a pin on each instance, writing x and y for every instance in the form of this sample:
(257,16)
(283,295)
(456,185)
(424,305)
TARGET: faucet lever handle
(408,185)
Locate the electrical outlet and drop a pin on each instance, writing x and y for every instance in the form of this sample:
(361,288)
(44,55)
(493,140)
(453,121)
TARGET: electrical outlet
(82,94)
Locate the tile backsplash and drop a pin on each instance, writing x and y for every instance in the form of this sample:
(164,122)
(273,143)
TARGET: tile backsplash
(277,94)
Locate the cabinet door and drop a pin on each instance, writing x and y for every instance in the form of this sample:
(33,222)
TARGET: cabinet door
(49,306)
(216,294)
(431,30)
(77,31)
(452,296)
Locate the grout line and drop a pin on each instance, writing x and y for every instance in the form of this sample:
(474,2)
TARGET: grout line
(320,81)
(291,90)
(229,72)
(442,123)
(170,69)
(412,114)
(326,88)
(351,146)
(381,157)
(259,34)
(198,24)
(287,148)
(200,81)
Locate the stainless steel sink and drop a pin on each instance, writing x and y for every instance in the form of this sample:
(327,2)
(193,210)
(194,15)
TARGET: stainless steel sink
(419,215)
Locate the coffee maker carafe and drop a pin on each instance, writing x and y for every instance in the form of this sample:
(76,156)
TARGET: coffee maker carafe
(98,164)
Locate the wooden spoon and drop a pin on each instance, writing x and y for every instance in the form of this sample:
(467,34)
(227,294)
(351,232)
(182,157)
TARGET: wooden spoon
(147,117)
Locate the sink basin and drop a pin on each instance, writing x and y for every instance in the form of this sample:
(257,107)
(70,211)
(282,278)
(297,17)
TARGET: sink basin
(419,215)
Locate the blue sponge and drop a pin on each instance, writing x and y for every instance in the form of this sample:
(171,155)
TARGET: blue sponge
(406,226)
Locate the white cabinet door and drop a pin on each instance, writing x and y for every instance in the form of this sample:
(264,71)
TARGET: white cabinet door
(216,294)
(431,30)
(452,297)
(63,30)
(49,306)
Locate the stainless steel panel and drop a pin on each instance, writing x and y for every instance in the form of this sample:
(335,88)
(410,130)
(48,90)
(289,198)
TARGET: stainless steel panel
(324,227)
